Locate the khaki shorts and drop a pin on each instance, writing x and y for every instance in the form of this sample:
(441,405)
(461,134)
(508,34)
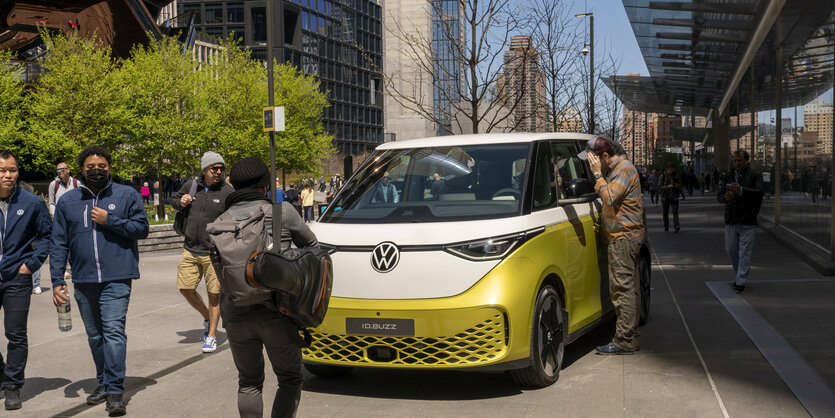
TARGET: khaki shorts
(192,267)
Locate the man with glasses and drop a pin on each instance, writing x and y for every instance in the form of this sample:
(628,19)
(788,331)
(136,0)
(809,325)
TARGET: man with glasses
(207,203)
(63,183)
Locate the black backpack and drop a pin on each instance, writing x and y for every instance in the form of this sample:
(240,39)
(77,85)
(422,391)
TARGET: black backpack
(302,277)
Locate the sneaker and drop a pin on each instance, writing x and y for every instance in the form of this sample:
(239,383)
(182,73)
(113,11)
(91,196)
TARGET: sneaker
(115,407)
(12,398)
(611,348)
(205,330)
(210,345)
(97,397)
(37,290)
(677,229)
(738,288)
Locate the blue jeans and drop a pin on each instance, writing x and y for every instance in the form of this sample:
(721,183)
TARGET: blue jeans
(739,243)
(36,279)
(104,308)
(15,295)
(308,213)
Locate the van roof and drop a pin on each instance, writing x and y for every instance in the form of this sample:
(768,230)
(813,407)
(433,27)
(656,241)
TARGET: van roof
(476,139)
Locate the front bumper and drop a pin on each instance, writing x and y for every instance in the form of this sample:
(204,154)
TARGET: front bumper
(464,337)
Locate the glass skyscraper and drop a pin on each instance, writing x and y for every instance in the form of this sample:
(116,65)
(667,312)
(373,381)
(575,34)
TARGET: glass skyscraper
(339,42)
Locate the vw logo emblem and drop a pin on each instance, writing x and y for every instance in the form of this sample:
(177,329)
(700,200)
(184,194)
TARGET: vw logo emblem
(385,257)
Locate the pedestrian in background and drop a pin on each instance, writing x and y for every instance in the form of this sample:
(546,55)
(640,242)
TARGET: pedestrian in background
(203,208)
(64,182)
(652,185)
(670,185)
(24,241)
(261,327)
(742,193)
(97,227)
(145,192)
(624,220)
(292,196)
(307,203)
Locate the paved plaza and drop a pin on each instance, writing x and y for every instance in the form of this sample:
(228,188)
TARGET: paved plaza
(705,352)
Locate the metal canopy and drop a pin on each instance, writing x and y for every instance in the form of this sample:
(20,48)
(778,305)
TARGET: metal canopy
(694,50)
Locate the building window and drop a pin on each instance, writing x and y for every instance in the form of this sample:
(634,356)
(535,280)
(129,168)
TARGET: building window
(234,12)
(214,31)
(194,8)
(214,13)
(237,32)
(259,24)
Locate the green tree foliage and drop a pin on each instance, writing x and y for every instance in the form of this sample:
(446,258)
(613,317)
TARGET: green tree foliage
(11,105)
(305,143)
(76,103)
(160,109)
(168,116)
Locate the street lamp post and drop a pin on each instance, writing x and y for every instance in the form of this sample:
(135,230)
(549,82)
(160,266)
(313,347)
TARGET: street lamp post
(590,51)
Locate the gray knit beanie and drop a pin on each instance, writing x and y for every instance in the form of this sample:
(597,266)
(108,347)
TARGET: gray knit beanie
(209,159)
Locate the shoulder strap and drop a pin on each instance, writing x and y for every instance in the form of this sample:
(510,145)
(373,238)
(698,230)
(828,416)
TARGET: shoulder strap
(55,189)
(74,182)
(193,189)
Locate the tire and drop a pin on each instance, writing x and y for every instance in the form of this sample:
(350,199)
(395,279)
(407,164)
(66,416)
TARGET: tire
(549,336)
(325,370)
(645,276)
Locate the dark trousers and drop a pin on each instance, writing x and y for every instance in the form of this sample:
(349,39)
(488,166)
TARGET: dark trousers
(280,337)
(624,289)
(653,196)
(667,204)
(14,300)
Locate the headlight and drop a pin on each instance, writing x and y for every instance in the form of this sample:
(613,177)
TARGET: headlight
(494,248)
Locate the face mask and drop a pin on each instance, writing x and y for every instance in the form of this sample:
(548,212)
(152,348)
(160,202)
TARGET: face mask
(95,178)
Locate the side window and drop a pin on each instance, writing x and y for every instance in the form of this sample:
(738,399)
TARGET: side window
(544,187)
(568,165)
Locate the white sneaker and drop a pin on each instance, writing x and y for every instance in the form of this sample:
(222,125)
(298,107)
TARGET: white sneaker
(210,345)
(37,290)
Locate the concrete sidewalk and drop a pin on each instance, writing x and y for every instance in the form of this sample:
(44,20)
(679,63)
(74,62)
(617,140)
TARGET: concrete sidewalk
(695,358)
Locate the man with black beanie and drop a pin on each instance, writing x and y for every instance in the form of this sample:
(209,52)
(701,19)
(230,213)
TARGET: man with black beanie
(252,328)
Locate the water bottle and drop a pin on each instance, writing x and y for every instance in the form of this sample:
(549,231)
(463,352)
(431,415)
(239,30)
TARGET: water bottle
(64,317)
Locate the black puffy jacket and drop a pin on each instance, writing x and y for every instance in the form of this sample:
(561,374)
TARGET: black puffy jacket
(205,208)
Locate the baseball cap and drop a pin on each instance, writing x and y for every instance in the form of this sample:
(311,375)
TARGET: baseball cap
(598,146)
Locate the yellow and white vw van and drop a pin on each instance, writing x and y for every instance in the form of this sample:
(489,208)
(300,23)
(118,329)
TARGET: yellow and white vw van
(476,252)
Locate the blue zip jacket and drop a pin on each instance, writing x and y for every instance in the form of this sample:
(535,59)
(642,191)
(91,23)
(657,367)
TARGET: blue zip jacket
(26,220)
(98,253)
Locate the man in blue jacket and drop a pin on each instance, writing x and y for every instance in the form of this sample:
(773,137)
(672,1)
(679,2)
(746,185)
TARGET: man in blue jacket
(24,219)
(98,225)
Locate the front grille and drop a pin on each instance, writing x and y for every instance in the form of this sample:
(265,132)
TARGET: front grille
(478,344)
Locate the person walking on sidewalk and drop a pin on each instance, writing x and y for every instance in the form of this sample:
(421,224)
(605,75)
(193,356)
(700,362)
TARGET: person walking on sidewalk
(203,208)
(98,226)
(624,228)
(24,240)
(256,328)
(652,185)
(307,203)
(742,193)
(64,182)
(670,185)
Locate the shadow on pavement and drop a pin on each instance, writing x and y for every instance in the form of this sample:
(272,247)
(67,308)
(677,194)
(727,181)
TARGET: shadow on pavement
(196,336)
(36,385)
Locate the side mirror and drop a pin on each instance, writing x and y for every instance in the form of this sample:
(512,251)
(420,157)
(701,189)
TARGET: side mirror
(579,187)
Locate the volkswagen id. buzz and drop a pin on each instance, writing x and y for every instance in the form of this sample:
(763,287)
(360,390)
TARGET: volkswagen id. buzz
(478,252)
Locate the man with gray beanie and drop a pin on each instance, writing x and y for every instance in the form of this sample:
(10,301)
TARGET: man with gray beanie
(203,207)
(254,328)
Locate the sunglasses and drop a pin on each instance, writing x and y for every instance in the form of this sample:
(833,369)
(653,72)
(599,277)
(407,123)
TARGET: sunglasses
(58,170)
(219,168)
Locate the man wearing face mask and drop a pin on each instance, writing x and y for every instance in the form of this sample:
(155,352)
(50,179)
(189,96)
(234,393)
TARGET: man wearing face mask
(97,226)
(204,207)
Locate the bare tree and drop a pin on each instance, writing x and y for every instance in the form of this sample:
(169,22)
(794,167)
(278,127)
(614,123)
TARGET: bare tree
(609,107)
(556,35)
(458,62)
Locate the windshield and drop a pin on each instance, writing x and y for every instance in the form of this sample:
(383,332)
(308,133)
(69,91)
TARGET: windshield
(436,184)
